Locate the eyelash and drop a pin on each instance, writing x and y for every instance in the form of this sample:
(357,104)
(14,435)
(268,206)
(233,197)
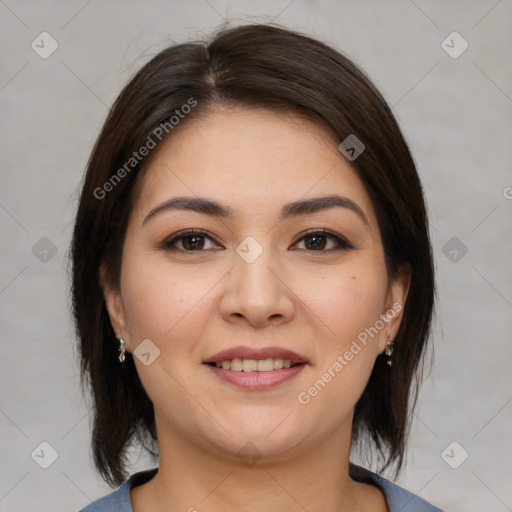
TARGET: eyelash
(342,243)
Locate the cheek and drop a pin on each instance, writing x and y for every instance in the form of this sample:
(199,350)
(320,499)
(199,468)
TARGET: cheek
(362,300)
(169,310)
(158,302)
(346,303)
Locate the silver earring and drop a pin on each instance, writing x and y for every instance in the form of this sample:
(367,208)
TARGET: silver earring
(389,349)
(122,351)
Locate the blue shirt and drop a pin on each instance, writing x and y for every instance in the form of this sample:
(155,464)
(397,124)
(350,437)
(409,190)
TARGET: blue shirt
(398,499)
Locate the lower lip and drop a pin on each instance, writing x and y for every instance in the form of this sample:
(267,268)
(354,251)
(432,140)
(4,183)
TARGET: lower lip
(257,380)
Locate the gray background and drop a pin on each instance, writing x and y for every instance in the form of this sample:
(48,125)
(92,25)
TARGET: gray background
(456,114)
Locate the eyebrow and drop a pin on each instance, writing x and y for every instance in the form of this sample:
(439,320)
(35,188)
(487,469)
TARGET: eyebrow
(294,209)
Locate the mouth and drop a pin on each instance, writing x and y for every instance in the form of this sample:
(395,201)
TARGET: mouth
(256,369)
(247,359)
(255,365)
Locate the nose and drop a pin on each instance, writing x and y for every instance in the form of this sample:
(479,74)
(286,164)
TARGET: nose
(257,293)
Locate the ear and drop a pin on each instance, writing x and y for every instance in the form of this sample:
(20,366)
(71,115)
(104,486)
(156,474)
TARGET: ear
(114,305)
(398,290)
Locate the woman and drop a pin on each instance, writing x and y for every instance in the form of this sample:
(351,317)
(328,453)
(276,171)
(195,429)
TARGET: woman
(252,281)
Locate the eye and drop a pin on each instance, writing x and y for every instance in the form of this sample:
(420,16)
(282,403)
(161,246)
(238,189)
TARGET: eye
(189,241)
(196,240)
(319,239)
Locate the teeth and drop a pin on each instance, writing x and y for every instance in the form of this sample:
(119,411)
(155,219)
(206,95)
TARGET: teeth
(278,364)
(249,365)
(266,365)
(236,365)
(255,365)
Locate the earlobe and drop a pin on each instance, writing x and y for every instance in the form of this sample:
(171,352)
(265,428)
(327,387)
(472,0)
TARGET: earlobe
(113,304)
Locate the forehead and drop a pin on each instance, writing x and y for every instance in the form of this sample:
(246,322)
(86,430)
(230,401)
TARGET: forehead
(252,160)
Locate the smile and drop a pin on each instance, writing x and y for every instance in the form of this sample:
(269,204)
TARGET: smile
(254,379)
(255,365)
(255,369)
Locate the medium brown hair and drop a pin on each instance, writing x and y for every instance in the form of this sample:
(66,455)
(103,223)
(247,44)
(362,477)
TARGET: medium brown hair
(252,66)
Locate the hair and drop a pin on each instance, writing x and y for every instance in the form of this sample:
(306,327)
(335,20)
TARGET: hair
(250,66)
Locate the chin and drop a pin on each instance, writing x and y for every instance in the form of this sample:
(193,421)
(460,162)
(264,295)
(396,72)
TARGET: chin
(260,436)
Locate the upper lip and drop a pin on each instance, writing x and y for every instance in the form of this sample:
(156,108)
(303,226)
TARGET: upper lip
(255,353)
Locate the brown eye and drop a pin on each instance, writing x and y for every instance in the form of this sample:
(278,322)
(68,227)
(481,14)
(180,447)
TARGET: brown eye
(189,241)
(323,241)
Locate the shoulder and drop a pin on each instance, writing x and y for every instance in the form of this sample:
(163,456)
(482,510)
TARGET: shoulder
(398,498)
(119,500)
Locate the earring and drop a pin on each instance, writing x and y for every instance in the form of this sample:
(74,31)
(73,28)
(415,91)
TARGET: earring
(389,349)
(122,351)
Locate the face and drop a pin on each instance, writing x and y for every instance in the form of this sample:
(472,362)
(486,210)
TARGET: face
(272,276)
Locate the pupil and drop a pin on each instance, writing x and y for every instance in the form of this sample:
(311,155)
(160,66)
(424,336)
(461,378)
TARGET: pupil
(316,243)
(195,245)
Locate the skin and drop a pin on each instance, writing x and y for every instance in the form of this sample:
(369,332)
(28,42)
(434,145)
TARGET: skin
(196,303)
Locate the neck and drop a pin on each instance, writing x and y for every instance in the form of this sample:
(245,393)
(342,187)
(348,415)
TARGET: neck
(192,478)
